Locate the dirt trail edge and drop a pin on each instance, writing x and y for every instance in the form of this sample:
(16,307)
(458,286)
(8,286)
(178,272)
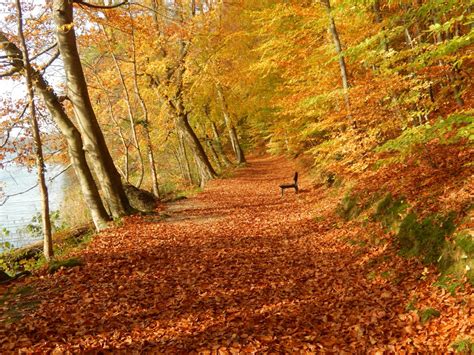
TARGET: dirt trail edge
(238,269)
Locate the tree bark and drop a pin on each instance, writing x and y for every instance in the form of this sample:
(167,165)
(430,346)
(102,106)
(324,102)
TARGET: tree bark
(95,145)
(38,148)
(337,45)
(131,118)
(73,139)
(202,161)
(219,147)
(146,123)
(340,55)
(184,155)
(234,139)
(182,122)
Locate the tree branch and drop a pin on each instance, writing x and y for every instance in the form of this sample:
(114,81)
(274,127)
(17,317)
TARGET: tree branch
(9,72)
(44,51)
(93,6)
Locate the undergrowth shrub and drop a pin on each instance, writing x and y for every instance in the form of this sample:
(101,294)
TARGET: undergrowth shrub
(427,314)
(55,265)
(463,345)
(390,210)
(348,208)
(425,238)
(449,130)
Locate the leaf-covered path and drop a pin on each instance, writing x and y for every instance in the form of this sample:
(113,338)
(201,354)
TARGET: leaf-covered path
(240,269)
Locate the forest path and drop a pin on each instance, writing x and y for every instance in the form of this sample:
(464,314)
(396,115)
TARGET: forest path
(235,269)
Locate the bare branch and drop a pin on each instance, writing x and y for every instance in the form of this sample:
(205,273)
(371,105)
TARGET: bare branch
(50,61)
(80,2)
(9,72)
(44,51)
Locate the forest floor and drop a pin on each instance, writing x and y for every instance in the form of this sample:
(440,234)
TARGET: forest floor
(238,269)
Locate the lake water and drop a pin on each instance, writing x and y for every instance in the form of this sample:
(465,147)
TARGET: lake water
(18,211)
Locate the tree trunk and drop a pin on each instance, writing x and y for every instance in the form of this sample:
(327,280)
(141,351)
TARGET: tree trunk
(146,124)
(129,111)
(219,147)
(337,45)
(342,62)
(184,155)
(234,139)
(202,160)
(38,147)
(125,145)
(95,145)
(73,139)
(176,105)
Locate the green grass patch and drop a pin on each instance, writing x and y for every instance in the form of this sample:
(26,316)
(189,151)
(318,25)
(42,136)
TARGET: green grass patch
(463,345)
(348,208)
(411,305)
(449,283)
(55,265)
(426,238)
(390,211)
(427,314)
(17,301)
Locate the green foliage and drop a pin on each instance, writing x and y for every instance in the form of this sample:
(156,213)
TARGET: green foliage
(463,345)
(55,265)
(427,314)
(390,210)
(16,302)
(465,241)
(447,131)
(449,283)
(348,208)
(425,238)
(411,305)
(458,257)
(35,229)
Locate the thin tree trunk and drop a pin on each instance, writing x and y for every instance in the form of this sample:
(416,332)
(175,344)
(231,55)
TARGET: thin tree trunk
(342,62)
(219,147)
(185,159)
(38,148)
(72,135)
(234,139)
(129,111)
(149,145)
(208,142)
(125,172)
(337,45)
(95,145)
(182,122)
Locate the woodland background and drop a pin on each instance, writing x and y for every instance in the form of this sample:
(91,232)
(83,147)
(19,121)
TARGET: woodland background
(372,99)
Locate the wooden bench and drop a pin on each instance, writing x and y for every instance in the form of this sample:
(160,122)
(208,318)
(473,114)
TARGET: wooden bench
(290,186)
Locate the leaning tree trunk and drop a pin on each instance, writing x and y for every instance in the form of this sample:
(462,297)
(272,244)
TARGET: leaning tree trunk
(94,140)
(125,172)
(38,148)
(219,147)
(202,161)
(146,124)
(340,55)
(72,135)
(131,118)
(234,139)
(184,158)
(176,105)
(211,148)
